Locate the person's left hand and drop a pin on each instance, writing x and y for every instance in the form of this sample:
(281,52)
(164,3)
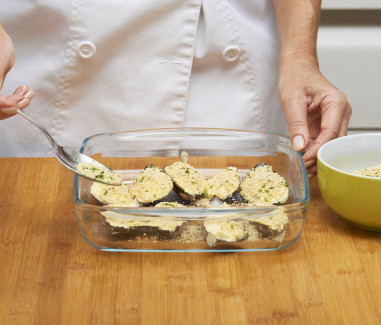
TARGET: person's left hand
(316,111)
(21,98)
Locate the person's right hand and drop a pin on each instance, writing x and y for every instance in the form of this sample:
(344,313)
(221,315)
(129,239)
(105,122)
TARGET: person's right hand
(22,95)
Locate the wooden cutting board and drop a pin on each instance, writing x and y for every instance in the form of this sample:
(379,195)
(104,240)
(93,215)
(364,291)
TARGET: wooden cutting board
(50,275)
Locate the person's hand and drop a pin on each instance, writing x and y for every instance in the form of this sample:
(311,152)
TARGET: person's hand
(22,95)
(7,55)
(21,98)
(316,111)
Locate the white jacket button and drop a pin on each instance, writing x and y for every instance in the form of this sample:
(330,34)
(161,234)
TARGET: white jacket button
(231,53)
(86,49)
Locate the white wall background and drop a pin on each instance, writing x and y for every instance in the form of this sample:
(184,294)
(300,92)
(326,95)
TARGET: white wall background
(349,50)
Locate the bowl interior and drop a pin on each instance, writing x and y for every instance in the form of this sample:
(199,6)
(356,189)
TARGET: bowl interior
(353,152)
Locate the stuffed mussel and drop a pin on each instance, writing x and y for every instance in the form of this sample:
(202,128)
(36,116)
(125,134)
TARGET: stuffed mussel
(108,194)
(189,183)
(263,186)
(122,226)
(272,225)
(224,184)
(229,231)
(151,186)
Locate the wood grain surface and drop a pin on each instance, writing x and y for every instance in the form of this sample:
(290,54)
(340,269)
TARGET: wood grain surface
(50,275)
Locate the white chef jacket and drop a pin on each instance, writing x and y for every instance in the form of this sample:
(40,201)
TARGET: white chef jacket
(108,66)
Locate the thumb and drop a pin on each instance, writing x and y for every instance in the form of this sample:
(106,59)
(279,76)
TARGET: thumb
(3,73)
(296,115)
(2,77)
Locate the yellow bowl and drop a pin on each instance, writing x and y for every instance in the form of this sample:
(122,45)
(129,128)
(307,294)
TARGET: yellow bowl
(353,197)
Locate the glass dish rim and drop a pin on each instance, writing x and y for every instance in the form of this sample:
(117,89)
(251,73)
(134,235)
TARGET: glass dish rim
(304,201)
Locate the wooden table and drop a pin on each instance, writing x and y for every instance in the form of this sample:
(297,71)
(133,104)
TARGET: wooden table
(50,275)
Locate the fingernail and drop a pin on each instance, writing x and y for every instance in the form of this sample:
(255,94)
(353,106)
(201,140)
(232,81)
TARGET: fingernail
(24,103)
(298,143)
(310,163)
(9,110)
(310,175)
(21,89)
(29,94)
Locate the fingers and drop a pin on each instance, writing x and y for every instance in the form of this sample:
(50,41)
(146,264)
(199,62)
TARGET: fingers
(347,116)
(295,109)
(335,116)
(21,98)
(311,167)
(312,171)
(26,100)
(22,90)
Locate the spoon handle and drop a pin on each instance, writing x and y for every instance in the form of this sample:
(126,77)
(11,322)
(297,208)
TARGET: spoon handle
(40,126)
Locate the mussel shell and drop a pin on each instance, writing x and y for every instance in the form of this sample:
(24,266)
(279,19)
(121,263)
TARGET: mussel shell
(172,196)
(236,199)
(183,195)
(120,233)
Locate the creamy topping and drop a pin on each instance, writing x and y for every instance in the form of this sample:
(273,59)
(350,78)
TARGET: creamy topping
(226,230)
(151,185)
(276,221)
(115,219)
(108,194)
(99,173)
(263,186)
(224,184)
(202,202)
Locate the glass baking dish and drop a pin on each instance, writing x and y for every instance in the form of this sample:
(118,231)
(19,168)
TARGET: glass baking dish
(208,151)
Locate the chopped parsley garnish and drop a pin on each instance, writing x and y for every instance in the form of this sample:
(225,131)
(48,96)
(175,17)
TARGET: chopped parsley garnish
(169,204)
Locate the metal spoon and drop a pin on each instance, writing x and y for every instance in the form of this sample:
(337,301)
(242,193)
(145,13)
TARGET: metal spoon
(67,156)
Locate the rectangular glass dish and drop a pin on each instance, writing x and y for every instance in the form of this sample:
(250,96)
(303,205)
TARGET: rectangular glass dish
(188,229)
